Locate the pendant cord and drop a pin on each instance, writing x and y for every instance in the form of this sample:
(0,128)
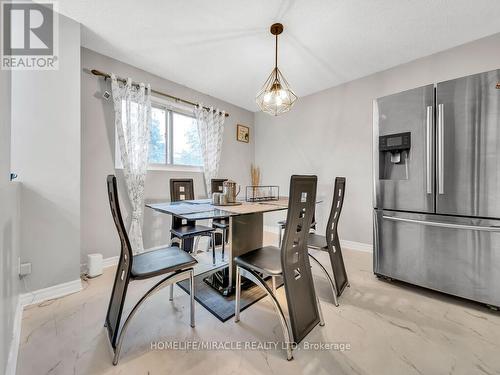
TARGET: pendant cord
(276,54)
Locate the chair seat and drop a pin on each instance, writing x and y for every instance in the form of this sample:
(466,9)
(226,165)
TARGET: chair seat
(190,230)
(220,223)
(158,262)
(316,241)
(265,259)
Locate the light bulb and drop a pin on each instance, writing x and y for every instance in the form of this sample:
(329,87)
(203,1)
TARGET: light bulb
(283,94)
(267,97)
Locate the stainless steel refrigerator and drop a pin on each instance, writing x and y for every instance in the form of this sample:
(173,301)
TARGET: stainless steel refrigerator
(437,187)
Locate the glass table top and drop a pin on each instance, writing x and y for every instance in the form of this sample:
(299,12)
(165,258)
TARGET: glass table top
(202,209)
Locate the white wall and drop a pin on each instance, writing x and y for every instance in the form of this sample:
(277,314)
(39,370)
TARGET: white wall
(46,155)
(98,143)
(5,125)
(330,133)
(9,227)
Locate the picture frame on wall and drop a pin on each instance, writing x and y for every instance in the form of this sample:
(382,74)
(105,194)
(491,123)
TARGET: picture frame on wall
(242,133)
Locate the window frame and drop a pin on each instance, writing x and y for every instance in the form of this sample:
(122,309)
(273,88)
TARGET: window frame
(168,165)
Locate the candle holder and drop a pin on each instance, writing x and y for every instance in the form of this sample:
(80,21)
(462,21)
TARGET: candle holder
(262,193)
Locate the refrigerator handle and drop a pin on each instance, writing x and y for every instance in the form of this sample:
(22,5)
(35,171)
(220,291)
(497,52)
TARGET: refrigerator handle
(428,150)
(440,147)
(444,225)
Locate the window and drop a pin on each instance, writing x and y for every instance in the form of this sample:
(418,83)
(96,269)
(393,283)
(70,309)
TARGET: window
(174,141)
(185,148)
(158,136)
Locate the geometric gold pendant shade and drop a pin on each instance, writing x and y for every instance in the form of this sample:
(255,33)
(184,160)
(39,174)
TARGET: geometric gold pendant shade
(276,96)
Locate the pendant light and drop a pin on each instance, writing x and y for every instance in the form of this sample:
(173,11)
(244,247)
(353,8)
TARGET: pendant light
(276,96)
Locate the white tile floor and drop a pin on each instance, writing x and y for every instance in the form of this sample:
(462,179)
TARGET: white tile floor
(391,329)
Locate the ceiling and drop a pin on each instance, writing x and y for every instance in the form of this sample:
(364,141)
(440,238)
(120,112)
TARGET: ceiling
(224,48)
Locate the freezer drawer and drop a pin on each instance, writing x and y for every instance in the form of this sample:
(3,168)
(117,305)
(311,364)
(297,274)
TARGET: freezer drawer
(459,256)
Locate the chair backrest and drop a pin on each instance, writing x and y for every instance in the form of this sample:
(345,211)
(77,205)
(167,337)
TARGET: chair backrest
(337,203)
(313,224)
(114,205)
(122,276)
(332,236)
(299,287)
(217,184)
(181,189)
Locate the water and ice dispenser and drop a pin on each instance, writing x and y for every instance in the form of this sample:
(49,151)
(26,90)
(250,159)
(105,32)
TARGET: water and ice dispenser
(394,152)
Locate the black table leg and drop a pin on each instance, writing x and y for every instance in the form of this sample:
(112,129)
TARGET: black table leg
(245,234)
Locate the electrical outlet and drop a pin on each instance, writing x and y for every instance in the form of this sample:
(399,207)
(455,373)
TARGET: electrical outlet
(24,269)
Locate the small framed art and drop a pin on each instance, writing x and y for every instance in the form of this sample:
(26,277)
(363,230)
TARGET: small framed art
(242,133)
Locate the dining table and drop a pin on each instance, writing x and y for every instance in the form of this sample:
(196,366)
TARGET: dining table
(245,231)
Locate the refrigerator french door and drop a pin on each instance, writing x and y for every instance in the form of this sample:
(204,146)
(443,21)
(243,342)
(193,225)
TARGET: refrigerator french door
(407,183)
(468,146)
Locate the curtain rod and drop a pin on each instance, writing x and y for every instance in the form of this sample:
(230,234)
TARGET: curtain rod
(106,76)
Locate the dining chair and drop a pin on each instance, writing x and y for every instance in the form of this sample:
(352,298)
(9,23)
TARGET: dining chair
(331,243)
(177,264)
(291,262)
(282,226)
(217,184)
(221,226)
(186,230)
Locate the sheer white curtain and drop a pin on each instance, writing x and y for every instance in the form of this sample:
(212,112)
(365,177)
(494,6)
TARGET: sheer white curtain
(210,130)
(132,118)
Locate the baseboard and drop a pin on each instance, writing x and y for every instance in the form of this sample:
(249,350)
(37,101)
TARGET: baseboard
(110,262)
(51,292)
(31,298)
(16,338)
(351,245)
(358,246)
